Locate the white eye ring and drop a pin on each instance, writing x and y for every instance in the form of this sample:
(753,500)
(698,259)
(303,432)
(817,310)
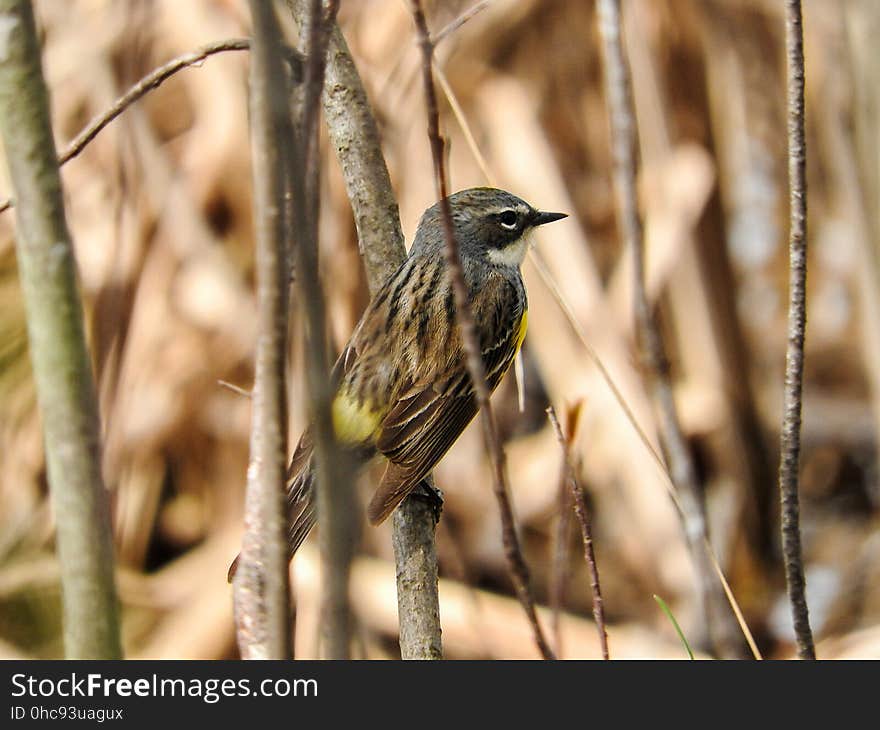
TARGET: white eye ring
(511,217)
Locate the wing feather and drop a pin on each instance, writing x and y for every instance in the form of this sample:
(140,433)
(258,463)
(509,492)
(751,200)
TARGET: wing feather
(424,423)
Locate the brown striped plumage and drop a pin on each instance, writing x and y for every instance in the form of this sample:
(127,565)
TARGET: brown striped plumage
(403,390)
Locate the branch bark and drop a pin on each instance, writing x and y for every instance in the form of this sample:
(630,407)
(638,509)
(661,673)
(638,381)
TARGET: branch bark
(568,479)
(355,137)
(62,370)
(336,503)
(518,568)
(262,591)
(790,441)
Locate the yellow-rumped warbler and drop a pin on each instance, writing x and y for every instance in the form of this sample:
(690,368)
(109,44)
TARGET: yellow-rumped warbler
(402,385)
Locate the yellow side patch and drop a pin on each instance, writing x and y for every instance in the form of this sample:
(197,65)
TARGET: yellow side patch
(354,423)
(523,326)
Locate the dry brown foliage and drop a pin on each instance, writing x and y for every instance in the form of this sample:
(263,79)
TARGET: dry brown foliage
(160,209)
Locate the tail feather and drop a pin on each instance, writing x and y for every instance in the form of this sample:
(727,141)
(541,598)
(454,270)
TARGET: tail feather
(301,505)
(396,484)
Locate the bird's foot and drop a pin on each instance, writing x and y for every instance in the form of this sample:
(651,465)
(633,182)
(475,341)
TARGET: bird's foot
(428,492)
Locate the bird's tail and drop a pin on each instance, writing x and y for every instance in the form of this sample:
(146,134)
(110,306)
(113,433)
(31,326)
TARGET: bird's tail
(301,515)
(301,509)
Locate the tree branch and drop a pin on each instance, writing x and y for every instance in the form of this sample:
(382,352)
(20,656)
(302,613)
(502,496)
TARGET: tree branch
(262,591)
(62,370)
(568,478)
(151,81)
(559,570)
(355,137)
(790,442)
(456,23)
(336,503)
(518,568)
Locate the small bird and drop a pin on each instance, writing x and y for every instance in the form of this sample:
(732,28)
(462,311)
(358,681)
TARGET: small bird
(402,387)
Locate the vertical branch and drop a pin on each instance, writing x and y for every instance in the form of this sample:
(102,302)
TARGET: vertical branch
(567,478)
(623,139)
(790,443)
(62,370)
(355,137)
(261,584)
(337,507)
(415,556)
(559,571)
(518,568)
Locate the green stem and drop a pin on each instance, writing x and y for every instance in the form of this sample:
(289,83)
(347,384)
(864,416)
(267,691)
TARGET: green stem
(62,369)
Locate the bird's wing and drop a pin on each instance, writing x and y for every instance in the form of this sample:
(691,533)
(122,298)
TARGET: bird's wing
(427,419)
(419,430)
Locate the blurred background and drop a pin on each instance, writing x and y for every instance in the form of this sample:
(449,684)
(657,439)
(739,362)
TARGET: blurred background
(160,209)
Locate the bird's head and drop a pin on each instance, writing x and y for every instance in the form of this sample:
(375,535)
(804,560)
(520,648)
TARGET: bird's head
(488,223)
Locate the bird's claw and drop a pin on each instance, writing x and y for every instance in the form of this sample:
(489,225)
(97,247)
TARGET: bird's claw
(434,496)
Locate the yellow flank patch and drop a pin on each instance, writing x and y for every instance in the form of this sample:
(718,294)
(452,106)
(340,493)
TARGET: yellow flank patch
(523,326)
(354,423)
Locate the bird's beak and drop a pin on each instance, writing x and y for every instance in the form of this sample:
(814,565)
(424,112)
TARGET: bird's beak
(541,217)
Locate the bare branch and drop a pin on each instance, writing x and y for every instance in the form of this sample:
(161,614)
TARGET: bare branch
(790,441)
(234,388)
(559,571)
(518,568)
(415,555)
(567,477)
(337,507)
(453,26)
(262,591)
(149,82)
(58,352)
(354,135)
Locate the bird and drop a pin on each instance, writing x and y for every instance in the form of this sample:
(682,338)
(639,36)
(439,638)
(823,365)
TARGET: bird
(402,388)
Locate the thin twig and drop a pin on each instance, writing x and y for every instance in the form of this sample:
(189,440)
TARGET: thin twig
(59,355)
(624,145)
(560,572)
(728,592)
(454,25)
(518,568)
(149,82)
(790,442)
(235,388)
(337,507)
(540,265)
(354,135)
(580,506)
(462,122)
(547,277)
(262,591)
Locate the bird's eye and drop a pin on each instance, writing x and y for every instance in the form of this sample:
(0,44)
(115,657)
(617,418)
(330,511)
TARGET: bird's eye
(508,219)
